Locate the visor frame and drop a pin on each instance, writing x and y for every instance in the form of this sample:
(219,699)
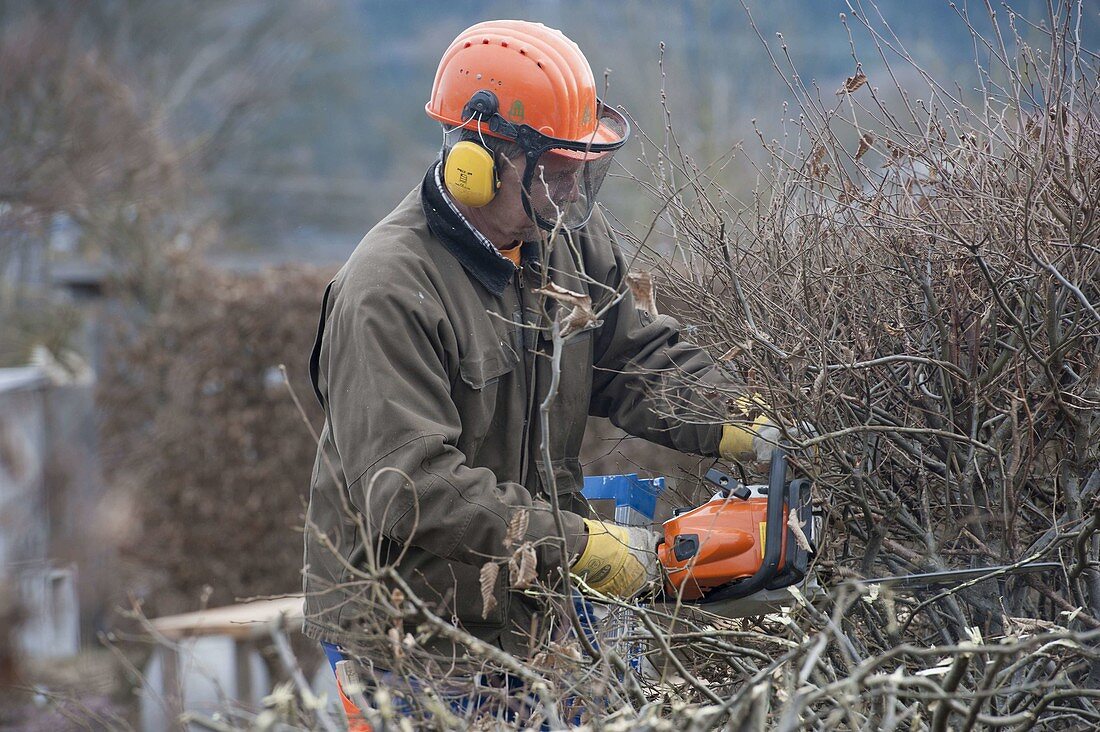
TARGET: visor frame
(533,141)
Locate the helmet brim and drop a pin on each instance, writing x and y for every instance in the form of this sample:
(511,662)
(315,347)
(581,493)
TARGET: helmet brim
(604,134)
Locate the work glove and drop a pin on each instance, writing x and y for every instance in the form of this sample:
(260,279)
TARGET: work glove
(618,560)
(758,439)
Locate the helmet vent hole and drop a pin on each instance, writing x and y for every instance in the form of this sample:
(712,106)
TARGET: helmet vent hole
(485,41)
(468,44)
(539,64)
(523,52)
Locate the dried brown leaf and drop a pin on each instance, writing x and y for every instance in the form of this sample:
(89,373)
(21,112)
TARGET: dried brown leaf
(580,317)
(561,294)
(394,636)
(865,142)
(517,528)
(849,192)
(819,383)
(852,83)
(523,566)
(1032,128)
(818,169)
(645,294)
(488,581)
(736,350)
(567,649)
(798,364)
(1027,626)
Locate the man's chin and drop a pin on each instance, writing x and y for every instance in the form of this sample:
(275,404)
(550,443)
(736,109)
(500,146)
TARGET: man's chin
(530,232)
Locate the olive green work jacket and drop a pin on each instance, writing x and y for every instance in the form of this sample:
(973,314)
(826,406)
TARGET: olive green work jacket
(431,391)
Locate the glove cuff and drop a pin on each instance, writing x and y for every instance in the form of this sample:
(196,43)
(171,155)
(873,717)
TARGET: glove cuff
(605,542)
(607,564)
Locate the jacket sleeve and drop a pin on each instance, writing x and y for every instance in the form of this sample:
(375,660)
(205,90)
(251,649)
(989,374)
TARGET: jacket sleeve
(648,381)
(383,373)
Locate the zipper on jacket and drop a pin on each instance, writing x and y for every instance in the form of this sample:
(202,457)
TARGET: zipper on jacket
(525,449)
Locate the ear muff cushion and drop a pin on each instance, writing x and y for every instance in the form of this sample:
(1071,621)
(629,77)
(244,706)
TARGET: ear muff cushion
(470,174)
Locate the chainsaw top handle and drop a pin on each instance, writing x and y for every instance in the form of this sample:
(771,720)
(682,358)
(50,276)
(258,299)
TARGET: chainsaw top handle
(773,542)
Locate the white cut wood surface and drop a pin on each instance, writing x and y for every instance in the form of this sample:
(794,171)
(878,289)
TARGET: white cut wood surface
(245,620)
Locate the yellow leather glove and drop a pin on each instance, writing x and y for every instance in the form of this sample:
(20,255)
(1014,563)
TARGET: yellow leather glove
(618,560)
(758,439)
(752,441)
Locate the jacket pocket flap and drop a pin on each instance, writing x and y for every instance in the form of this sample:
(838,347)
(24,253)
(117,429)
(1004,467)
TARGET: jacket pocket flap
(568,476)
(481,369)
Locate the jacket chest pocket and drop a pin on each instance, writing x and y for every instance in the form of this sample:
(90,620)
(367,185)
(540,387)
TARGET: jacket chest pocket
(569,410)
(481,393)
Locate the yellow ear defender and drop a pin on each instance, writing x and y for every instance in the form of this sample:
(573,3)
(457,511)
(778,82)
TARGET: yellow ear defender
(470,174)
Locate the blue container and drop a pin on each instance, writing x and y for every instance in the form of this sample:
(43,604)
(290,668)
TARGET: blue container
(635,498)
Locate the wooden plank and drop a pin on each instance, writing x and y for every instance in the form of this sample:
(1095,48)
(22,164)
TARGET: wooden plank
(247,620)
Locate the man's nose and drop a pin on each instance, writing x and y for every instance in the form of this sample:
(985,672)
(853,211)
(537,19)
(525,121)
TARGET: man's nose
(567,188)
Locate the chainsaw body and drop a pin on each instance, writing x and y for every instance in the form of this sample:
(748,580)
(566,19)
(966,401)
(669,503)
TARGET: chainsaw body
(739,545)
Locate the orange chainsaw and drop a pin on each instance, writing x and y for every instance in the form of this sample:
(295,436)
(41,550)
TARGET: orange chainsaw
(744,546)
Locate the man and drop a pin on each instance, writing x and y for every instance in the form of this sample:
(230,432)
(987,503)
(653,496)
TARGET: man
(433,359)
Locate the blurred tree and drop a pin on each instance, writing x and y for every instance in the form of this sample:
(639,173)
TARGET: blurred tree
(79,166)
(201,433)
(113,116)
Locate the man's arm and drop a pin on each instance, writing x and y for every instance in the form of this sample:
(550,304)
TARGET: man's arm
(648,381)
(383,367)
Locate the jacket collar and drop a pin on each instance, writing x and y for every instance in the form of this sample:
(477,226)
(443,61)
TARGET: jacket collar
(473,251)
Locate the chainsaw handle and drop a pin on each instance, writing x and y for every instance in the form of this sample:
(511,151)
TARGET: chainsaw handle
(773,537)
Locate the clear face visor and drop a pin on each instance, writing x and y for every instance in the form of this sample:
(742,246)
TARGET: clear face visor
(561,183)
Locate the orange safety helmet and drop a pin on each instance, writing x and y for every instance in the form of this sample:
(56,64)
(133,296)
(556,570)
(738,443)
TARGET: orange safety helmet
(527,83)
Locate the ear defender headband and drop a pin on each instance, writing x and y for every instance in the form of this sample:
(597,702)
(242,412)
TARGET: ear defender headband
(470,171)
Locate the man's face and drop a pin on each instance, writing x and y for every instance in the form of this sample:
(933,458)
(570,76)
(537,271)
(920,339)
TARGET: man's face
(554,185)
